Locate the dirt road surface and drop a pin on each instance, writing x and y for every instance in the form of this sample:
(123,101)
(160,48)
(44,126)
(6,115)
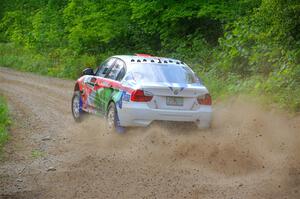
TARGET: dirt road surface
(250,152)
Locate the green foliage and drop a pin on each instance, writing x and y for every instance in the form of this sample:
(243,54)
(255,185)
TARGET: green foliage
(266,43)
(4,123)
(244,46)
(47,31)
(92,26)
(14,26)
(260,42)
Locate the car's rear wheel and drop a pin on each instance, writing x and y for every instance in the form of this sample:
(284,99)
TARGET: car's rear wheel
(112,119)
(77,111)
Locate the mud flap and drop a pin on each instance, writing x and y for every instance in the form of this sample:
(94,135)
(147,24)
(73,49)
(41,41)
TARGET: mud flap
(119,129)
(80,104)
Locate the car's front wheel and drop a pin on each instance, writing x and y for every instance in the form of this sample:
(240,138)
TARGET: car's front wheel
(112,119)
(77,111)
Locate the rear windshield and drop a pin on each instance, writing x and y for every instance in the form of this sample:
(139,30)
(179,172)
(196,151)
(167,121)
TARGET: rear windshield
(170,73)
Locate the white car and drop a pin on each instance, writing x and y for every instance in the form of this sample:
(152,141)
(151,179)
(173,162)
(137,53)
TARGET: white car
(137,90)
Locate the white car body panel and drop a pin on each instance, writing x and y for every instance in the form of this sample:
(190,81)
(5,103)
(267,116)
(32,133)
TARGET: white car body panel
(144,113)
(140,114)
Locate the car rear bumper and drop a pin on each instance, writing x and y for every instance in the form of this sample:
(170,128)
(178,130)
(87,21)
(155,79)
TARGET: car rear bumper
(139,114)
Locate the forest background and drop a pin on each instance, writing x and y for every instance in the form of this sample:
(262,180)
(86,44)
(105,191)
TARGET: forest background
(247,47)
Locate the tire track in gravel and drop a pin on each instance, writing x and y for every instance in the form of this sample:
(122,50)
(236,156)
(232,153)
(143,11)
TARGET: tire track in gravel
(249,153)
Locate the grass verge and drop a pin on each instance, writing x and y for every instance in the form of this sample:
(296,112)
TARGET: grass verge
(4,123)
(59,63)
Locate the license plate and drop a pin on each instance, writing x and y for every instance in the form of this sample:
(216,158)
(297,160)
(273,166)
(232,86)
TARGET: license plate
(174,101)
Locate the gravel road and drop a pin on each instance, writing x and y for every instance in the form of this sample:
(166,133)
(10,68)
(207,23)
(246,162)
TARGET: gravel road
(250,152)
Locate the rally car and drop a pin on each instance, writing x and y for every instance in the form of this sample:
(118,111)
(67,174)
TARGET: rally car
(137,90)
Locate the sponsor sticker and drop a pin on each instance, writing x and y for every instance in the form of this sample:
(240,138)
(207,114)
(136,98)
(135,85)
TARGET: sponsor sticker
(126,97)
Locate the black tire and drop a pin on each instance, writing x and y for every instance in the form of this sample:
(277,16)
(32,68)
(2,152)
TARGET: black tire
(77,112)
(112,123)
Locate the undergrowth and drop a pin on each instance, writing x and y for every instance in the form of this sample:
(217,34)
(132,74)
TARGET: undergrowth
(63,64)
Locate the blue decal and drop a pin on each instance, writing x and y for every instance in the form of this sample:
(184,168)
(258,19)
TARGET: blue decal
(119,102)
(125,97)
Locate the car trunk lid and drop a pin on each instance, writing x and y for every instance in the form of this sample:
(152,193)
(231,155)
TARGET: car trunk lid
(174,96)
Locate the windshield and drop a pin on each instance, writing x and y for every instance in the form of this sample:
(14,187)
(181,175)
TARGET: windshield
(170,73)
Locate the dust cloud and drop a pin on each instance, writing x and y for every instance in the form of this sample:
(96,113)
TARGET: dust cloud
(247,143)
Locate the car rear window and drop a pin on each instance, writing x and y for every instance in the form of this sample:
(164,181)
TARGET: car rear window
(171,73)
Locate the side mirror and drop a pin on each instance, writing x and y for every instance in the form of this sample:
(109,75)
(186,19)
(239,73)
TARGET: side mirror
(88,71)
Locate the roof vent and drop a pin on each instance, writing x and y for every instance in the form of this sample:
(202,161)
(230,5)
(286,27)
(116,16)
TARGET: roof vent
(152,60)
(170,61)
(138,60)
(144,60)
(177,62)
(159,61)
(132,60)
(165,61)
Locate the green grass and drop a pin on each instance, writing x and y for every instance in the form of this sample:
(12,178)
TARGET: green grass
(4,123)
(261,89)
(36,153)
(59,63)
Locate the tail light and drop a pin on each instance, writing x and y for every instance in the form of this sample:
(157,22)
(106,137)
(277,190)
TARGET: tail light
(139,96)
(204,100)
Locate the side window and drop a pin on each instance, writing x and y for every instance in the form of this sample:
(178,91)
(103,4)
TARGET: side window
(103,68)
(121,74)
(117,72)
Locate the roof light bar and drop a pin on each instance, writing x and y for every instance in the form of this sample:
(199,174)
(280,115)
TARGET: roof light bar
(143,55)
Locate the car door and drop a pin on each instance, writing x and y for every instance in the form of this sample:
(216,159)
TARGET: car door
(94,84)
(110,85)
